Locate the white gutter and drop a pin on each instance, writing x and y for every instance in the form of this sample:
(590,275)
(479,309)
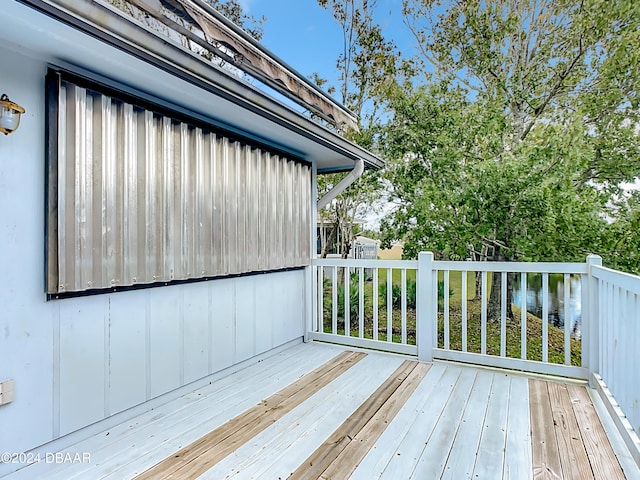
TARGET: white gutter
(353,175)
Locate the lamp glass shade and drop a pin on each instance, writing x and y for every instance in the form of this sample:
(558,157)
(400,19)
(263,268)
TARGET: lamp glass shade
(9,115)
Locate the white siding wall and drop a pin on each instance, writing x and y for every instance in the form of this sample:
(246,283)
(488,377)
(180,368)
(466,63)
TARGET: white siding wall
(78,361)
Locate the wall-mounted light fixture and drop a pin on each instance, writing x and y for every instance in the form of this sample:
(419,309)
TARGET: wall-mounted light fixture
(9,115)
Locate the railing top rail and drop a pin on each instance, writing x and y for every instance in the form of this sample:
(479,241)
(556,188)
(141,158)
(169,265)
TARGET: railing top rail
(624,280)
(366,263)
(516,267)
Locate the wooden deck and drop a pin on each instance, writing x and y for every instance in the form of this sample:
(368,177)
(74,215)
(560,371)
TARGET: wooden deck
(320,411)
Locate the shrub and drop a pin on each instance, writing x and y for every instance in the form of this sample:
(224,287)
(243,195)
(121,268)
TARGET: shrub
(354,296)
(396,294)
(441,293)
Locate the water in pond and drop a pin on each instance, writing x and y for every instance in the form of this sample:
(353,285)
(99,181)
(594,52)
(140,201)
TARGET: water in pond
(556,299)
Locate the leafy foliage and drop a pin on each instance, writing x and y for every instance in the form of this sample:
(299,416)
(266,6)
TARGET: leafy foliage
(517,139)
(354,296)
(396,295)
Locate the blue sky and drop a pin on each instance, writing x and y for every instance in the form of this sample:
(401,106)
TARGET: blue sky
(305,35)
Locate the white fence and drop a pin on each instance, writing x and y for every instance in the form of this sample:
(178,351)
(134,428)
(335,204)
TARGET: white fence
(466,312)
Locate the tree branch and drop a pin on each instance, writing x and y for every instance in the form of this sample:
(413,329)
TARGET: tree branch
(554,91)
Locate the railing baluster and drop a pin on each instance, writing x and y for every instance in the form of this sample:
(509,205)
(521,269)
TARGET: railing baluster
(615,340)
(503,314)
(320,297)
(606,332)
(602,322)
(434,299)
(610,336)
(375,303)
(523,317)
(605,318)
(334,301)
(445,309)
(389,305)
(361,303)
(464,310)
(347,303)
(586,322)
(632,385)
(403,322)
(567,318)
(545,317)
(483,316)
(625,350)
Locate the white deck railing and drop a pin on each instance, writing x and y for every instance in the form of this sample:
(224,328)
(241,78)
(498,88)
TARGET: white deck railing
(430,309)
(371,321)
(616,352)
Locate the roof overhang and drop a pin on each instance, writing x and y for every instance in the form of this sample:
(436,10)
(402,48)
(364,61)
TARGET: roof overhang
(96,37)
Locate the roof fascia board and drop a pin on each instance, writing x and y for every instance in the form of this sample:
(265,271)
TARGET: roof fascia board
(111,26)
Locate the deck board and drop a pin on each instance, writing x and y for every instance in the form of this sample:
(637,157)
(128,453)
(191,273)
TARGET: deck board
(573,456)
(279,450)
(331,449)
(118,452)
(491,452)
(404,459)
(455,422)
(434,457)
(546,456)
(347,461)
(517,459)
(199,456)
(598,449)
(385,448)
(262,380)
(459,462)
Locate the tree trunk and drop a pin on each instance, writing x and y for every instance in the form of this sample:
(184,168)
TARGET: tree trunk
(347,234)
(478,276)
(328,242)
(483,257)
(494,306)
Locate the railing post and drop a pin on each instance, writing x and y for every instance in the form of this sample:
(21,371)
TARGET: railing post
(591,321)
(424,307)
(311,300)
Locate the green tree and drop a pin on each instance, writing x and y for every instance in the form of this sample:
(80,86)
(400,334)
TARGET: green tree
(515,145)
(366,66)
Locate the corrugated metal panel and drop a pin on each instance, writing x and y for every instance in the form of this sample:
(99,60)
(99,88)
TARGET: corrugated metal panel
(143,198)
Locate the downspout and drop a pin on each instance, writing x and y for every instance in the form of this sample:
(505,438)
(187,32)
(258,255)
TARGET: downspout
(358,170)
